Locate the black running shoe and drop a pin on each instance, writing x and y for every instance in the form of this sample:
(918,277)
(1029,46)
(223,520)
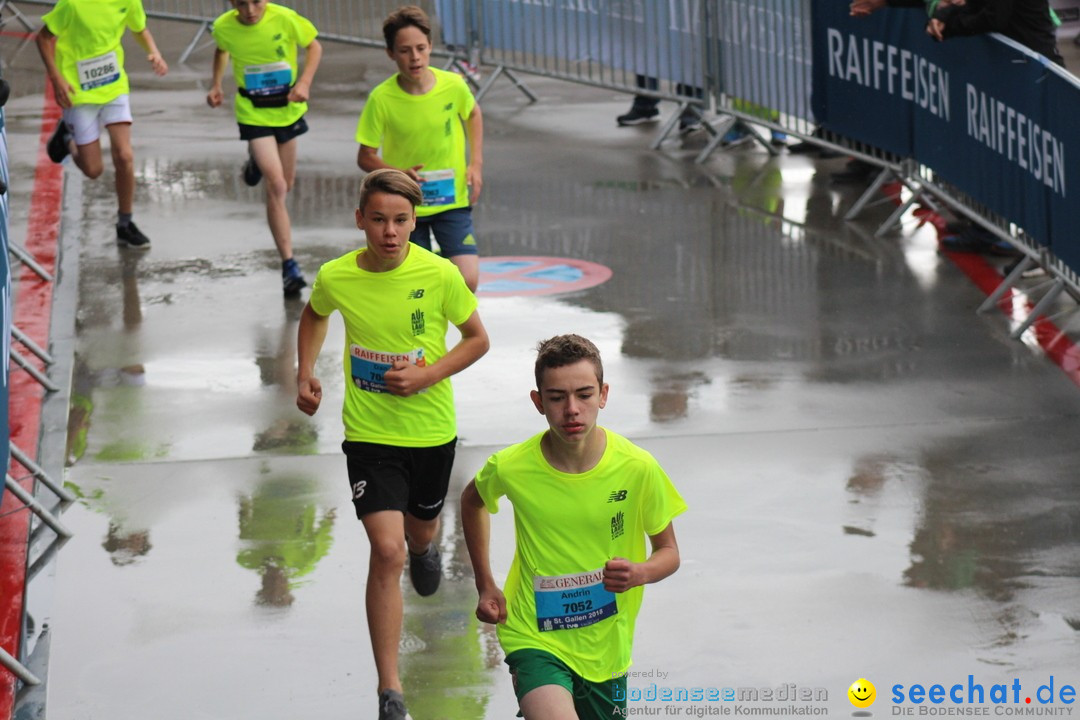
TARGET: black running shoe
(425,571)
(637,116)
(130,236)
(58,147)
(252,173)
(392,706)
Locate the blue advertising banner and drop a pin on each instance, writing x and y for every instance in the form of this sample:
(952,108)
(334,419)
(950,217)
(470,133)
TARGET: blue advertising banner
(764,51)
(1062,109)
(976,110)
(657,39)
(5,299)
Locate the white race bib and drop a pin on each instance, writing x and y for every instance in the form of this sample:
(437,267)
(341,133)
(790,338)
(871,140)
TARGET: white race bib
(98,71)
(568,602)
(269,79)
(368,367)
(438,187)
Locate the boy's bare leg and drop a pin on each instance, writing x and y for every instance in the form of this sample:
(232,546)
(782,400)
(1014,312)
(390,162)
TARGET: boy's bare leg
(275,161)
(469,265)
(386,533)
(420,533)
(123,158)
(88,159)
(548,702)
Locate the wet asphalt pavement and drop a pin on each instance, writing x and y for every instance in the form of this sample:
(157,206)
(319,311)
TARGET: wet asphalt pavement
(881,483)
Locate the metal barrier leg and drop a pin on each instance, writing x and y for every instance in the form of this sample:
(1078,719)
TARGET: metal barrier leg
(718,131)
(898,213)
(521,86)
(36,470)
(37,508)
(1006,284)
(17,668)
(669,126)
(17,15)
(489,82)
(204,28)
(28,260)
(500,70)
(1047,299)
(30,345)
(33,371)
(761,140)
(867,196)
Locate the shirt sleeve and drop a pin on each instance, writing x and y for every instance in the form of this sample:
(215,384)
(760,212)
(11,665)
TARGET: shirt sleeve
(303,30)
(468,102)
(320,299)
(460,302)
(369,130)
(136,17)
(58,19)
(663,503)
(489,485)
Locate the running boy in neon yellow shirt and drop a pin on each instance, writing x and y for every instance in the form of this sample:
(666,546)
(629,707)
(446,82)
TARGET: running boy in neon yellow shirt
(416,117)
(397,300)
(271,100)
(584,500)
(80,45)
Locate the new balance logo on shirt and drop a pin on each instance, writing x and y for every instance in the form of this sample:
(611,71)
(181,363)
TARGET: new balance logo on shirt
(617,496)
(416,294)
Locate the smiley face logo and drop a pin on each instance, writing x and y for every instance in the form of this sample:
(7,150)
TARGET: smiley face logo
(862,693)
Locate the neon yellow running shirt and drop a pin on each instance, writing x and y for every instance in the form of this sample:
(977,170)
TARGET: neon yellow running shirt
(88,50)
(264,55)
(567,527)
(423,130)
(401,314)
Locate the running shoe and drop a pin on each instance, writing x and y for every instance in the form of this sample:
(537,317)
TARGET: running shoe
(130,236)
(425,571)
(637,116)
(292,280)
(252,173)
(737,134)
(392,706)
(59,147)
(688,123)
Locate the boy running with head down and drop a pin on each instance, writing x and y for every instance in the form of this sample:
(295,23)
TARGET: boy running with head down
(584,501)
(80,45)
(271,100)
(397,300)
(416,117)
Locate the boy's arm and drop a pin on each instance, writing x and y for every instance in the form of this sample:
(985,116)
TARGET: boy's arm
(46,43)
(146,42)
(408,379)
(309,341)
(476,524)
(301,90)
(474,174)
(368,159)
(215,96)
(620,574)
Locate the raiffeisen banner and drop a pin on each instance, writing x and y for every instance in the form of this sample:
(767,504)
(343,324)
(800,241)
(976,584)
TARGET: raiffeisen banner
(986,114)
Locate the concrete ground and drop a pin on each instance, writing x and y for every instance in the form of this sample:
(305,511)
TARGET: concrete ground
(881,483)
